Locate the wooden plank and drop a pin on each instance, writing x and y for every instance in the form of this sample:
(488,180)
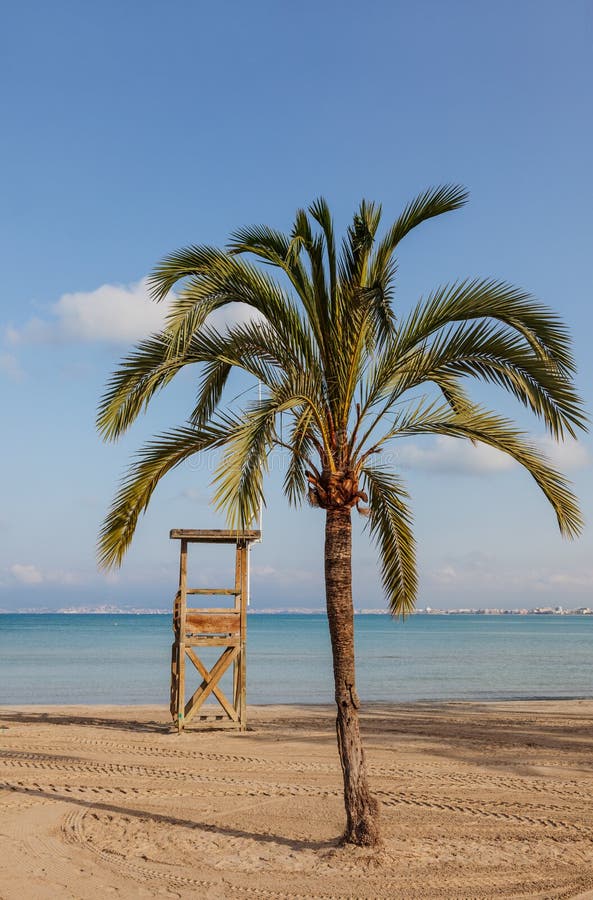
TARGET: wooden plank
(210,592)
(211,609)
(213,623)
(206,687)
(213,536)
(218,693)
(207,641)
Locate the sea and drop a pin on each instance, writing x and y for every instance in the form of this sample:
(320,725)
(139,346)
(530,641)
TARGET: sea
(125,659)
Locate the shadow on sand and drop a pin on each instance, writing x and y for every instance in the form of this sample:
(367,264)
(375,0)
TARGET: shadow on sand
(67,719)
(291,843)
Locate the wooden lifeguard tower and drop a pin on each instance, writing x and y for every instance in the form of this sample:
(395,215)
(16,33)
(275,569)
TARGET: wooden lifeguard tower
(198,627)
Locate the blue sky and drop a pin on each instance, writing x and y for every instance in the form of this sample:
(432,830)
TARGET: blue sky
(132,129)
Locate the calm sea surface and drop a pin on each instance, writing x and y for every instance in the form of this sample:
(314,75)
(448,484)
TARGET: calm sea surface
(124,659)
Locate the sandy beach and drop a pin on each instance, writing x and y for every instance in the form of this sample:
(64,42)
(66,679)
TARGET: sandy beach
(478,801)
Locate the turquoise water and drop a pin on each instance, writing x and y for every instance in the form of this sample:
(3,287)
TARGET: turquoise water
(125,658)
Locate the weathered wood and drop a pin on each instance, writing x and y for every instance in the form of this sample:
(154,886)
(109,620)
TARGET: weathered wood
(212,609)
(206,640)
(213,623)
(218,693)
(213,536)
(176,616)
(223,627)
(210,592)
(207,686)
(174,701)
(181,635)
(241,662)
(212,723)
(238,603)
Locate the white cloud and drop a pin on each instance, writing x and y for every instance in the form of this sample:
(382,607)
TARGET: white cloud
(10,366)
(30,574)
(111,313)
(452,455)
(574,580)
(263,571)
(284,577)
(233,314)
(194,495)
(445,575)
(567,455)
(479,573)
(26,574)
(455,456)
(114,314)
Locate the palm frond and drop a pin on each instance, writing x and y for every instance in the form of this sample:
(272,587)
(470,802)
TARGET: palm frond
(243,347)
(432,202)
(495,431)
(189,261)
(302,448)
(153,461)
(252,436)
(157,360)
(487,298)
(358,244)
(239,476)
(390,522)
(258,349)
(133,384)
(489,352)
(223,279)
(215,375)
(274,248)
(320,211)
(317,301)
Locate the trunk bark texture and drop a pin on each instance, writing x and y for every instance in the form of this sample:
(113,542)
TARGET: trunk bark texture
(362,810)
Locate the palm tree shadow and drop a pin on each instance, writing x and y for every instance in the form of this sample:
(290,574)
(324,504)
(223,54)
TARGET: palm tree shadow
(67,719)
(151,726)
(291,843)
(140,726)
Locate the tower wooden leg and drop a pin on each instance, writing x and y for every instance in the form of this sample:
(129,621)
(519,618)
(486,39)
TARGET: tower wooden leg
(174,681)
(237,662)
(181,635)
(242,656)
(180,687)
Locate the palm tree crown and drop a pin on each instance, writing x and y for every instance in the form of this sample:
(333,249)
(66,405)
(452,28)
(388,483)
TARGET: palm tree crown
(331,354)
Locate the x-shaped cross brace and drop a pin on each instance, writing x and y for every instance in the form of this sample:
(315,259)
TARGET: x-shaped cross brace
(210,681)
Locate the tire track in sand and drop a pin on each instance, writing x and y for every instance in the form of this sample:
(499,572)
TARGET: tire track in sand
(501,810)
(571,792)
(72,829)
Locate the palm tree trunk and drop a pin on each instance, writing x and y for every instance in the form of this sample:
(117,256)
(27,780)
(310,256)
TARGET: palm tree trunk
(362,810)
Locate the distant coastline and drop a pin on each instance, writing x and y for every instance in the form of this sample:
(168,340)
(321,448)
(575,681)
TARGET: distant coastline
(303,611)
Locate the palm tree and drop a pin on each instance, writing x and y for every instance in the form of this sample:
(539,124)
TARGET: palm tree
(352,378)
